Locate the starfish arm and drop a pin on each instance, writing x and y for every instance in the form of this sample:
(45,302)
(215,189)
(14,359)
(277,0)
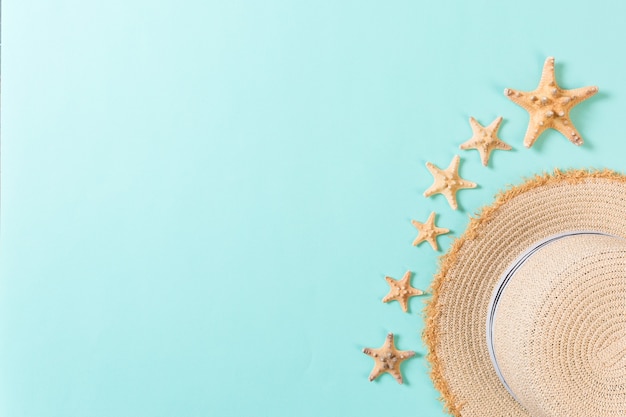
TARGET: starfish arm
(580,94)
(433,169)
(570,132)
(405,354)
(420,236)
(495,125)
(498,144)
(389,341)
(389,297)
(454,165)
(433,242)
(547,74)
(371,352)
(476,127)
(376,372)
(535,129)
(415,291)
(430,222)
(518,97)
(404,303)
(484,155)
(530,137)
(396,374)
(441,230)
(438,182)
(419,226)
(432,190)
(469,144)
(451,197)
(455,173)
(466,184)
(406,277)
(392,284)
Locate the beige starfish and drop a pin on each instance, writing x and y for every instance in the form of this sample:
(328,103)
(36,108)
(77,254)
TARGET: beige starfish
(388,359)
(485,139)
(447,182)
(549,106)
(428,231)
(401,291)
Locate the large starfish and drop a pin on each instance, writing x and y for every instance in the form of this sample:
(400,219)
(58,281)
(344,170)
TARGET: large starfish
(447,181)
(428,231)
(485,139)
(388,359)
(549,106)
(401,291)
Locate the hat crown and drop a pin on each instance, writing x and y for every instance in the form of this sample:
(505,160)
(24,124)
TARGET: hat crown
(614,354)
(559,328)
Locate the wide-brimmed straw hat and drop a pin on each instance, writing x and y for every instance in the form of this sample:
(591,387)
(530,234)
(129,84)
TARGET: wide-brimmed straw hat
(528,309)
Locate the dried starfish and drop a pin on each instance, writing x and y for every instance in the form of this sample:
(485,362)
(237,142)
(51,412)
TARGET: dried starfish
(549,106)
(485,139)
(447,182)
(388,359)
(428,231)
(401,291)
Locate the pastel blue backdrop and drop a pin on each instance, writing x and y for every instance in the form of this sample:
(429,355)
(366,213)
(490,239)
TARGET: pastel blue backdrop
(201,199)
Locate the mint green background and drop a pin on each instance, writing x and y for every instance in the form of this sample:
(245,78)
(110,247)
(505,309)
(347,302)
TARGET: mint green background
(200,199)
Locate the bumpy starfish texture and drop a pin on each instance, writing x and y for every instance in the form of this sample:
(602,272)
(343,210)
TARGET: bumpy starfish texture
(401,291)
(549,106)
(485,139)
(428,232)
(388,359)
(447,181)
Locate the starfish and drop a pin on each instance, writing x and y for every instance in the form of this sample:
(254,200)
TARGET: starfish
(388,359)
(428,232)
(485,139)
(447,182)
(401,291)
(549,106)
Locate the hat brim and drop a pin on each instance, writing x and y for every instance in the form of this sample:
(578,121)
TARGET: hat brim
(455,331)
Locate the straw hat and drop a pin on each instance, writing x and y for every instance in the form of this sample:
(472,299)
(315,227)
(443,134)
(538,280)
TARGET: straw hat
(528,313)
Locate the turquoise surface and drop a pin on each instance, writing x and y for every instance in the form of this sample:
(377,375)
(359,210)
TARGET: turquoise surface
(200,199)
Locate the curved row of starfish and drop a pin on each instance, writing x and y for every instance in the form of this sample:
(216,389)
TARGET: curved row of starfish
(549,106)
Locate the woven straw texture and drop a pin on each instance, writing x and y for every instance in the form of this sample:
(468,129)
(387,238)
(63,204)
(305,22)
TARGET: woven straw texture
(456,314)
(560,329)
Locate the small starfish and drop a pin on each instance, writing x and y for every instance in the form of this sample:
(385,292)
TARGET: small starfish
(388,359)
(401,291)
(485,139)
(447,182)
(428,232)
(549,106)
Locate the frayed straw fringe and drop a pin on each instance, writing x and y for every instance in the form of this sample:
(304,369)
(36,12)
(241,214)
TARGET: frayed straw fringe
(476,224)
